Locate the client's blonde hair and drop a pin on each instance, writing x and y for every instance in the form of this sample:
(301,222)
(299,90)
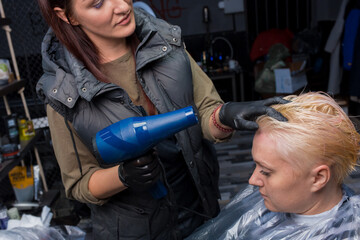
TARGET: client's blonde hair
(317,131)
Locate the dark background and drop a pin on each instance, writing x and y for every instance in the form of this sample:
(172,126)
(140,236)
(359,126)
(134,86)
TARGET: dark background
(240,29)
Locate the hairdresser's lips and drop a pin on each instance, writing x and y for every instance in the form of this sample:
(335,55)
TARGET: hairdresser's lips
(125,20)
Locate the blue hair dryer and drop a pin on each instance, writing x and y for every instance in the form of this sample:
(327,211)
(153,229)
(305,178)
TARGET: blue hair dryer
(135,136)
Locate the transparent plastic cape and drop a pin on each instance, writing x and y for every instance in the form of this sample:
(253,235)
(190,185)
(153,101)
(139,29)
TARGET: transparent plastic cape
(33,233)
(246,217)
(63,232)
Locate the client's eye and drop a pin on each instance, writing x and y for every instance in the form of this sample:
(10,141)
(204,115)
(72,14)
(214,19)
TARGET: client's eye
(267,174)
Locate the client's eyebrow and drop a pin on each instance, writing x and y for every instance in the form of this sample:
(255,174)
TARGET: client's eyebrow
(262,164)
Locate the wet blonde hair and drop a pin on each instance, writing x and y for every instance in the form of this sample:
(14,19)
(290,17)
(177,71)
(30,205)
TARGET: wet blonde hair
(317,131)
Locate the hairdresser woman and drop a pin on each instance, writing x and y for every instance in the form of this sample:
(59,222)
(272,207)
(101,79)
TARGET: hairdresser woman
(105,61)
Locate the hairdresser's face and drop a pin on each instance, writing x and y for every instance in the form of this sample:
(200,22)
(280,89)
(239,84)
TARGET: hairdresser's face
(104,21)
(283,188)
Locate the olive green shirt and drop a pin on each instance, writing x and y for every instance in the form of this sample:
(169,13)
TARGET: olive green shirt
(206,99)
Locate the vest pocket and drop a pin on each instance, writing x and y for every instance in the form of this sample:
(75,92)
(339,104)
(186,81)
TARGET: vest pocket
(116,220)
(132,222)
(131,228)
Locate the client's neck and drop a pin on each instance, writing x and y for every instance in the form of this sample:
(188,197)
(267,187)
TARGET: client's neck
(325,199)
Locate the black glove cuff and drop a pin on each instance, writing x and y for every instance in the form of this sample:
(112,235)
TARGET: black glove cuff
(121,173)
(222,114)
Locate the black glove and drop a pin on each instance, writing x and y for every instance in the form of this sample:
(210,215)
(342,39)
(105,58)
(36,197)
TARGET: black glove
(242,115)
(141,173)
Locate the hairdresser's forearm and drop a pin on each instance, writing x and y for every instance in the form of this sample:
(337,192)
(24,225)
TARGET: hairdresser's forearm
(216,132)
(105,183)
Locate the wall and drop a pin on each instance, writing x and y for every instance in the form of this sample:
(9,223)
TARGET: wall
(188,15)
(324,10)
(27,27)
(27,32)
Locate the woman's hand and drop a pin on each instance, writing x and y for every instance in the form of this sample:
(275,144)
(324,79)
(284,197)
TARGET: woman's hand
(242,115)
(140,173)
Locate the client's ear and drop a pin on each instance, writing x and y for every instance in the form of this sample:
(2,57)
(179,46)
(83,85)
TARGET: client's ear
(61,14)
(320,177)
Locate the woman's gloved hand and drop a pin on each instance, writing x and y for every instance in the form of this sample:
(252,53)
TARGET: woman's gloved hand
(141,173)
(242,115)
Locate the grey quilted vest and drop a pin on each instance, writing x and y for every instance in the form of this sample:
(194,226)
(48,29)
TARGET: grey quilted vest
(163,68)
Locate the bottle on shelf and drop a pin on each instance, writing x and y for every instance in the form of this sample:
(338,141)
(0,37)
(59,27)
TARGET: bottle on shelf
(4,218)
(26,129)
(12,128)
(204,61)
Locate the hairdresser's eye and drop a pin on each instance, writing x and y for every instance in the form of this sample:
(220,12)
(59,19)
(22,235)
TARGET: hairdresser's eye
(267,174)
(98,3)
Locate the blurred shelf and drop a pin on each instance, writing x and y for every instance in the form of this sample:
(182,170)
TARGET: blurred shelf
(222,77)
(12,87)
(26,146)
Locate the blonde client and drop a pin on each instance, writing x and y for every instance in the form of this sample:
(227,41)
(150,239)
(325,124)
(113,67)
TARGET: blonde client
(296,190)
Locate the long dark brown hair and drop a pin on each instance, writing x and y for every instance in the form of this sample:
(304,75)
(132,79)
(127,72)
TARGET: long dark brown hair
(73,37)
